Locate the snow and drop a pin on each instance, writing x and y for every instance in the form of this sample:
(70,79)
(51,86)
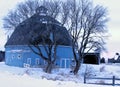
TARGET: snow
(14,51)
(35,77)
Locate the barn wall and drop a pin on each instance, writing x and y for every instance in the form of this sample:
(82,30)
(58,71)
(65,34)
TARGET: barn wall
(22,56)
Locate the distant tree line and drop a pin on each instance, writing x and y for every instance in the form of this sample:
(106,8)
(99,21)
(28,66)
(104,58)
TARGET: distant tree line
(102,60)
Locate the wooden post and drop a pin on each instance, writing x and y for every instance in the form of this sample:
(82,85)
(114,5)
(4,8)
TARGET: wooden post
(84,78)
(113,81)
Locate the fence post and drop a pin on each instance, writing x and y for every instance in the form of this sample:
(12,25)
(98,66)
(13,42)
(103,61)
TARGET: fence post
(84,78)
(113,81)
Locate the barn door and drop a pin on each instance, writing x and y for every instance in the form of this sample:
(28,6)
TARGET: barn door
(65,63)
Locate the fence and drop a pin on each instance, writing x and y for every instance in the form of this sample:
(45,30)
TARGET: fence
(113,80)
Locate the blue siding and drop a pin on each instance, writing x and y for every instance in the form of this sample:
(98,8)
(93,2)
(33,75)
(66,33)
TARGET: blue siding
(22,55)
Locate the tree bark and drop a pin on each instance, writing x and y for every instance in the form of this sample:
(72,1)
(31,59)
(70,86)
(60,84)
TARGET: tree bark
(76,69)
(49,68)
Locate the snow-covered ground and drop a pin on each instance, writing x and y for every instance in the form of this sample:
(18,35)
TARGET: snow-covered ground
(35,77)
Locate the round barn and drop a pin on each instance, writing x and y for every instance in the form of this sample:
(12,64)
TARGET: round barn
(17,49)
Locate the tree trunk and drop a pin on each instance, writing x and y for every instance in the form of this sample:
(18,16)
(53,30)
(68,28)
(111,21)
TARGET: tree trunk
(49,68)
(76,69)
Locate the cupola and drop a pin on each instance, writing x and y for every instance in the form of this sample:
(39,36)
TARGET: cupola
(41,10)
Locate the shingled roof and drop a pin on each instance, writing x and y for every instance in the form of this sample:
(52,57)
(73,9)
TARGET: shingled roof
(36,25)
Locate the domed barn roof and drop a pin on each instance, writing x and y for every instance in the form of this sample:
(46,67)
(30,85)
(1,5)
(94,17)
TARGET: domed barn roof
(38,24)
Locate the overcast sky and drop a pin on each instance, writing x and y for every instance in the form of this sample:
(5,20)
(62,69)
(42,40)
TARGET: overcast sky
(113,43)
(113,6)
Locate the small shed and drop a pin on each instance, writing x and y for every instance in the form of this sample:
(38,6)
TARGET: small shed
(91,58)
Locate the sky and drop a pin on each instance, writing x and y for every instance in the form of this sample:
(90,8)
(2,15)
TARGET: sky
(113,25)
(113,41)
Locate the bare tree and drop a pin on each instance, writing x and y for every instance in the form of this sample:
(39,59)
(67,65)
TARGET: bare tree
(28,8)
(87,28)
(53,7)
(22,12)
(45,43)
(85,22)
(64,13)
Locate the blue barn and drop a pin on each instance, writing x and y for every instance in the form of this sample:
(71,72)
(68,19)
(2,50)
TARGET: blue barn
(17,51)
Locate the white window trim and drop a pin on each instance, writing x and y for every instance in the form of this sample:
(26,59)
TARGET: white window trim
(65,60)
(45,63)
(37,61)
(28,60)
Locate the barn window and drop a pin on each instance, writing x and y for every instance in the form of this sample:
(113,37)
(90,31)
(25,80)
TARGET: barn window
(45,62)
(29,61)
(19,56)
(73,62)
(13,56)
(37,61)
